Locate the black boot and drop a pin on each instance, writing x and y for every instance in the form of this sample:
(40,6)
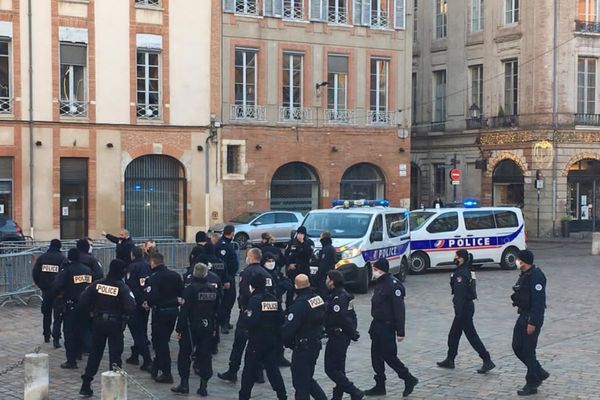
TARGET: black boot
(487,366)
(377,390)
(355,394)
(229,375)
(183,388)
(527,390)
(86,390)
(154,370)
(147,364)
(448,363)
(409,385)
(56,343)
(46,338)
(68,365)
(202,390)
(544,374)
(337,393)
(164,378)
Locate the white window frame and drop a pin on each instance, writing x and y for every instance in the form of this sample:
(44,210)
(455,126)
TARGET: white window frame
(335,14)
(148,3)
(336,87)
(586,86)
(146,65)
(380,17)
(477,15)
(245,52)
(377,106)
(76,108)
(6,106)
(293,112)
(440,19)
(511,12)
(250,7)
(476,78)
(513,91)
(442,99)
(242,160)
(591,15)
(292,6)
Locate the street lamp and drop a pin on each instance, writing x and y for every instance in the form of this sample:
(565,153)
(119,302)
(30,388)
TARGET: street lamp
(475,111)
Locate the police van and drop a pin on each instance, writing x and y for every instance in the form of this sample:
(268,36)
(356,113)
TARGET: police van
(362,231)
(491,234)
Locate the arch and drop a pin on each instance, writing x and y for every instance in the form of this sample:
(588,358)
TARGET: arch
(508,184)
(295,187)
(155,197)
(579,157)
(506,155)
(362,181)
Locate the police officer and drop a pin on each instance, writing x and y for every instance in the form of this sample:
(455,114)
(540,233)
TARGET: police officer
(196,328)
(530,298)
(225,250)
(124,244)
(163,289)
(71,282)
(46,268)
(263,318)
(326,262)
(267,245)
(387,327)
(110,301)
(87,259)
(462,283)
(340,326)
(302,332)
(298,254)
(203,249)
(138,272)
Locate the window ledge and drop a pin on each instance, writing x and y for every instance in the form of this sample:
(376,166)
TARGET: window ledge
(72,118)
(143,7)
(76,1)
(150,122)
(587,128)
(234,177)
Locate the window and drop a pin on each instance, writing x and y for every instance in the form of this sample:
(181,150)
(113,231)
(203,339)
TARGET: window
(586,85)
(6,187)
(266,219)
(293,66)
(285,218)
(245,85)
(152,3)
(338,12)
(439,112)
(377,226)
(73,61)
(414,98)
(588,10)
(439,181)
(475,220)
(397,224)
(337,90)
(441,19)
(477,15)
(148,84)
(415,19)
(379,92)
(379,14)
(511,87)
(447,222)
(293,9)
(506,219)
(249,7)
(476,72)
(233,159)
(511,12)
(5,86)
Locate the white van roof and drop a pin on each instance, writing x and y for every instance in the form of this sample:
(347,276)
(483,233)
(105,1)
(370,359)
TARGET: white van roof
(468,209)
(360,210)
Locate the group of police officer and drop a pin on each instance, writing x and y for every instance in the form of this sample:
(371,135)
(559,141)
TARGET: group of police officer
(198,308)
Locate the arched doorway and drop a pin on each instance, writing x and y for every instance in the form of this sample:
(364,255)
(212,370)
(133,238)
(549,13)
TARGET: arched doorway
(362,181)
(509,184)
(415,186)
(155,197)
(583,195)
(295,187)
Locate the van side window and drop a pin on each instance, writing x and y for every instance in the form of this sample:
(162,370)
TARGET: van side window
(447,222)
(378,225)
(506,219)
(475,220)
(397,224)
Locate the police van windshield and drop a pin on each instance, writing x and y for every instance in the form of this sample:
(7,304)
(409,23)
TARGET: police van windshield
(341,225)
(419,218)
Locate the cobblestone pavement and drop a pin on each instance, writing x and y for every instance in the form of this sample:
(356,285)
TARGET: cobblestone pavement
(569,347)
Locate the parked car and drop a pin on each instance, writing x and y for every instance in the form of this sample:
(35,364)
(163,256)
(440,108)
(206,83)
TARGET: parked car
(10,231)
(249,226)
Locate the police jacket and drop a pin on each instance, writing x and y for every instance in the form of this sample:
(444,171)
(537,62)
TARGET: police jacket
(163,288)
(137,274)
(93,265)
(72,281)
(300,254)
(46,268)
(387,303)
(463,288)
(124,247)
(245,279)
(341,317)
(225,250)
(304,321)
(276,251)
(530,295)
(281,283)
(109,298)
(202,253)
(263,317)
(199,310)
(327,259)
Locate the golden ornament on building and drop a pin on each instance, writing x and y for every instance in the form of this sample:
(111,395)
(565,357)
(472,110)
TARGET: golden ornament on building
(543,151)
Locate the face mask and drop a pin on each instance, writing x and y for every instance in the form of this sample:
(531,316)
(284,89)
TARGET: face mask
(247,261)
(456,262)
(519,264)
(90,250)
(251,289)
(270,265)
(378,274)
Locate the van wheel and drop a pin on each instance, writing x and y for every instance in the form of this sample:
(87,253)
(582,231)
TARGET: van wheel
(509,258)
(364,279)
(401,275)
(419,263)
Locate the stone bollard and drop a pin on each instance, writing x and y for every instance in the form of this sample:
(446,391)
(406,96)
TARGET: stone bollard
(114,386)
(37,377)
(596,243)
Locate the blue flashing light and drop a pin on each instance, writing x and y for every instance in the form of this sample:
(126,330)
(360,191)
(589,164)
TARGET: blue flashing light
(360,203)
(470,203)
(137,188)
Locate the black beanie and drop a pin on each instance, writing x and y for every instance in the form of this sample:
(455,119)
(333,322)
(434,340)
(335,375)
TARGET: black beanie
(463,254)
(83,245)
(201,237)
(382,264)
(117,269)
(73,255)
(258,281)
(55,244)
(526,256)
(336,277)
(302,230)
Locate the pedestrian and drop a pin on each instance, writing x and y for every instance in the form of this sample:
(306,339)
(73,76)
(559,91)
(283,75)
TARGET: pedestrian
(340,326)
(298,254)
(387,327)
(438,203)
(196,328)
(267,245)
(263,319)
(71,282)
(137,274)
(110,301)
(530,298)
(302,331)
(464,291)
(163,290)
(326,262)
(83,245)
(124,244)
(202,251)
(225,250)
(46,268)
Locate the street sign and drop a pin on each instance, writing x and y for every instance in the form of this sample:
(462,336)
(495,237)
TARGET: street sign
(455,176)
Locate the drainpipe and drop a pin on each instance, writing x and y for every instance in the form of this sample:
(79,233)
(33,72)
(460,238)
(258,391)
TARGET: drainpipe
(31,177)
(554,117)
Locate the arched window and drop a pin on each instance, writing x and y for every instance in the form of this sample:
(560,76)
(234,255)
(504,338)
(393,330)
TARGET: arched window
(509,184)
(362,181)
(295,187)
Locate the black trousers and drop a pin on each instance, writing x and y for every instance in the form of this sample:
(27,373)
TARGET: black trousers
(384,350)
(163,324)
(303,369)
(200,343)
(73,333)
(335,363)
(103,331)
(229,296)
(58,315)
(524,346)
(261,352)
(239,344)
(138,326)
(461,324)
(47,309)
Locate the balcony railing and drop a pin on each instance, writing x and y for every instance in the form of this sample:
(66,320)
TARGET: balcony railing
(294,114)
(73,108)
(246,7)
(476,123)
(438,126)
(380,118)
(380,20)
(149,3)
(338,16)
(587,119)
(507,121)
(587,26)
(295,12)
(338,116)
(241,112)
(6,105)
(149,112)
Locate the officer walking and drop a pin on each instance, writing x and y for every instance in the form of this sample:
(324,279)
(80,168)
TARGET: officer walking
(124,244)
(46,268)
(111,302)
(196,328)
(387,327)
(530,298)
(89,260)
(462,283)
(263,319)
(71,282)
(302,332)
(327,260)
(225,250)
(163,289)
(340,325)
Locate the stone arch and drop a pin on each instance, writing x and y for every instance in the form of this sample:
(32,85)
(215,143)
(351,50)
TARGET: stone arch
(588,155)
(505,155)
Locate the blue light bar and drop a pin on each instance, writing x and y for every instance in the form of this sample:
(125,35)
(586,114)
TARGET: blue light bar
(360,203)
(470,203)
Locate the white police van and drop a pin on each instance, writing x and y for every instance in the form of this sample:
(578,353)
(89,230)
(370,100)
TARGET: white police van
(362,232)
(491,234)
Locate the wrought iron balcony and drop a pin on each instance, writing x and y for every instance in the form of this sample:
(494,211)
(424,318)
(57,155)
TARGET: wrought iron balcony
(380,20)
(381,118)
(73,108)
(507,121)
(587,26)
(150,3)
(476,123)
(6,104)
(241,112)
(294,114)
(294,12)
(338,16)
(587,119)
(246,7)
(338,116)
(148,112)
(438,126)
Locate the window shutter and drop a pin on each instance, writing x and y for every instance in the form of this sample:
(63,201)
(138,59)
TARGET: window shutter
(316,10)
(229,6)
(324,10)
(357,12)
(277,8)
(366,12)
(268,8)
(400,19)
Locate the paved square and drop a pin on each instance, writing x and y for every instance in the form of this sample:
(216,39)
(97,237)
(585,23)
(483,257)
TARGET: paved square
(569,347)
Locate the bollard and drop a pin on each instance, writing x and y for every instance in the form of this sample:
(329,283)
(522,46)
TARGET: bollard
(596,243)
(36,377)
(114,386)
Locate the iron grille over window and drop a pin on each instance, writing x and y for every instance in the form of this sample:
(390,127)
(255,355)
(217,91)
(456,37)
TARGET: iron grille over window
(5,86)
(148,85)
(152,3)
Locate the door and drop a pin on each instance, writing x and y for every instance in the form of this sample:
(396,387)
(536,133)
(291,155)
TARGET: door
(262,224)
(73,198)
(286,223)
(443,235)
(481,234)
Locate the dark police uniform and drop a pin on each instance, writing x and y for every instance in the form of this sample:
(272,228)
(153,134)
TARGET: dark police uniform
(124,247)
(225,250)
(263,318)
(530,298)
(138,272)
(163,288)
(299,254)
(302,332)
(340,325)
(92,263)
(46,268)
(326,261)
